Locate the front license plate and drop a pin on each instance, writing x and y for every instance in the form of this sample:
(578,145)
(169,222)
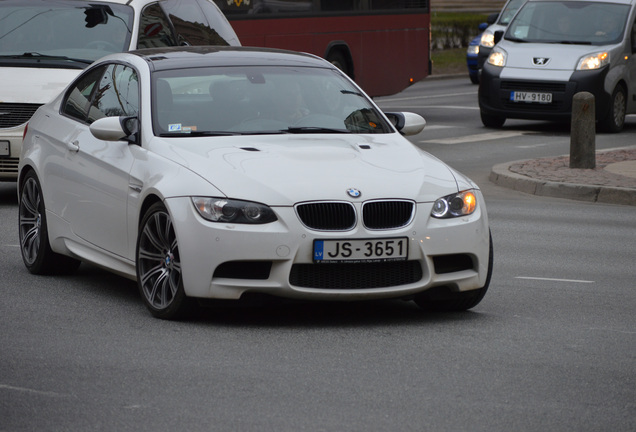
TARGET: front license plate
(531,97)
(4,148)
(367,250)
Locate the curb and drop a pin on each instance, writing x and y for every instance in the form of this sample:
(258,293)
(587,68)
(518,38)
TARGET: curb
(502,176)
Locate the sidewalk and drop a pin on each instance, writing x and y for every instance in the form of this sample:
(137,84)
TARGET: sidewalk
(613,181)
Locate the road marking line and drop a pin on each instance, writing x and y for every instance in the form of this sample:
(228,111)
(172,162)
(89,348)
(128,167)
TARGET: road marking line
(28,390)
(554,280)
(426,97)
(475,138)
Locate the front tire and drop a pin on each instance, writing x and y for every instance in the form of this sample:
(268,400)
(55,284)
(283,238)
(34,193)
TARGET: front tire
(615,119)
(492,121)
(159,266)
(444,300)
(36,250)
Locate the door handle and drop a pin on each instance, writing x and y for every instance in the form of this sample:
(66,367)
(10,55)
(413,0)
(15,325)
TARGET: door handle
(74,146)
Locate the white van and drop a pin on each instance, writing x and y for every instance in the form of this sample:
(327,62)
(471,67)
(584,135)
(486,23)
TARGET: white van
(44,44)
(554,49)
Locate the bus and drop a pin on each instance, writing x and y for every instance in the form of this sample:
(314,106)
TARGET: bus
(384,45)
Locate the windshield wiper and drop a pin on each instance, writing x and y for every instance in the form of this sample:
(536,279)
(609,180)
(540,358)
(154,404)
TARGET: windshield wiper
(314,129)
(351,92)
(514,39)
(566,42)
(38,56)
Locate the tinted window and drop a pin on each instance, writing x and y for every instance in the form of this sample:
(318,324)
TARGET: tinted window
(154,28)
(77,99)
(117,94)
(193,26)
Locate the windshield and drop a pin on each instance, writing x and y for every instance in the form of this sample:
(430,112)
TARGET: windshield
(62,33)
(509,11)
(571,22)
(260,100)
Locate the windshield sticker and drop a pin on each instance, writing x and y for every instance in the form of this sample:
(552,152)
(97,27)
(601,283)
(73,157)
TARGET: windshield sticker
(177,127)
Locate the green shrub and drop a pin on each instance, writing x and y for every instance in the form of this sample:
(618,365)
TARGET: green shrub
(454,29)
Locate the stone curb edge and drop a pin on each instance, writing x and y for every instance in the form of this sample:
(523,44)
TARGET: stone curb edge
(502,176)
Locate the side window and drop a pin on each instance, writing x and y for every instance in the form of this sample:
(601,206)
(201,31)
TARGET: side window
(117,94)
(78,98)
(154,28)
(191,24)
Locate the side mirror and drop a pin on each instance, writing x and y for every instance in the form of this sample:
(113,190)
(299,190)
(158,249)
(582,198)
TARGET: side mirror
(498,35)
(492,18)
(407,123)
(116,129)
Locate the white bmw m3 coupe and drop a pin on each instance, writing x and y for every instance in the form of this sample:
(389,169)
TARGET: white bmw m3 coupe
(212,173)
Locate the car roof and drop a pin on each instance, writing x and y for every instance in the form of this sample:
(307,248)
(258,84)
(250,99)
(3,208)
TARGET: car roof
(199,56)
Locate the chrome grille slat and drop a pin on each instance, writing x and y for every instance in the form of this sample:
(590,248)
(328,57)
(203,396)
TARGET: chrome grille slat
(15,114)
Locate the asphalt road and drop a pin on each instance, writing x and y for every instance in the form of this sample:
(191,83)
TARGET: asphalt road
(551,347)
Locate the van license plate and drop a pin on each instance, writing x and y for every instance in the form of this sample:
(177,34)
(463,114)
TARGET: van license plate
(4,148)
(531,97)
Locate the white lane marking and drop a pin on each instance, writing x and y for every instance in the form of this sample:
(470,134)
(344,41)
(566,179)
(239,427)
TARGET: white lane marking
(475,138)
(554,280)
(422,97)
(28,390)
(430,127)
(455,107)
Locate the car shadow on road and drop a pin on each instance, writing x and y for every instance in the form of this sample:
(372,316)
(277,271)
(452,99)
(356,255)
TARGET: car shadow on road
(8,194)
(279,313)
(264,311)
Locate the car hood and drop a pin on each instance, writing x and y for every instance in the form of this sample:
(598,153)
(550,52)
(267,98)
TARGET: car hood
(559,57)
(33,85)
(286,169)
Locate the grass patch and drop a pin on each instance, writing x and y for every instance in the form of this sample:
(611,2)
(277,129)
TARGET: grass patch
(449,61)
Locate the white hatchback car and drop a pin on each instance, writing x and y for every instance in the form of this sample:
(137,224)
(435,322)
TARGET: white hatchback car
(44,44)
(209,172)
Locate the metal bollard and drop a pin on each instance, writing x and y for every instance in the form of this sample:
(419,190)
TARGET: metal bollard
(583,131)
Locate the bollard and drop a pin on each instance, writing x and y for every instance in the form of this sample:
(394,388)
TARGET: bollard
(583,131)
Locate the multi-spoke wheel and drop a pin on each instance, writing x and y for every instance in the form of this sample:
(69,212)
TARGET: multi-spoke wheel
(615,119)
(34,240)
(159,266)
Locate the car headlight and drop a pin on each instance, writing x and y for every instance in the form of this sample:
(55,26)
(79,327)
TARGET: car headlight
(594,61)
(487,40)
(498,57)
(472,50)
(233,211)
(455,205)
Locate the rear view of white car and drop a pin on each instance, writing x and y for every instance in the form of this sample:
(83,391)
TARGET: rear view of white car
(554,49)
(44,44)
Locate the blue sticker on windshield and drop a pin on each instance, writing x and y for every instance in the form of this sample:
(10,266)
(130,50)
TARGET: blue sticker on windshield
(175,127)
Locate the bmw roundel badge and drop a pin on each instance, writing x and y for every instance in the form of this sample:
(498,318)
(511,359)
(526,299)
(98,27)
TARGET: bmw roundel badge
(354,193)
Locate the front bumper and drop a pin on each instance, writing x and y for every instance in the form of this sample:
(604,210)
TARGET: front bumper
(495,91)
(225,261)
